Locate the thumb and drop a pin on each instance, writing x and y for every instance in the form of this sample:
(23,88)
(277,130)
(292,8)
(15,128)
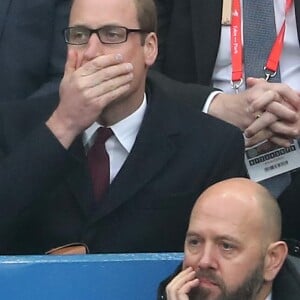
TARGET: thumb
(251,81)
(70,65)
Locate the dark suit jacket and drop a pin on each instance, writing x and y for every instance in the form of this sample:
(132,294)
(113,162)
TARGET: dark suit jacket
(189,35)
(286,285)
(46,195)
(32,48)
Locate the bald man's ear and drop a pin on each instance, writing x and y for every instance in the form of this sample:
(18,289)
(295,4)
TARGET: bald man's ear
(275,257)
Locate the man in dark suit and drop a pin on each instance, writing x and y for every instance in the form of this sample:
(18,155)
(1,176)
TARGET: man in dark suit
(197,26)
(162,154)
(233,248)
(205,49)
(32,49)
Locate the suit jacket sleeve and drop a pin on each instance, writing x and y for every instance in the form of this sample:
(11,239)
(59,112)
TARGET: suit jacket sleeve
(231,159)
(28,169)
(199,92)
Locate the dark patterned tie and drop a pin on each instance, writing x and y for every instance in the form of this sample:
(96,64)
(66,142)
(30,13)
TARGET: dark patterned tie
(259,34)
(98,161)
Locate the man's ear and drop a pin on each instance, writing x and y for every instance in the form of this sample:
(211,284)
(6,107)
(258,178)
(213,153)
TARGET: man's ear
(275,257)
(150,49)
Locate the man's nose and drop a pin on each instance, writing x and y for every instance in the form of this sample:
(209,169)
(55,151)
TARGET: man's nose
(208,258)
(94,47)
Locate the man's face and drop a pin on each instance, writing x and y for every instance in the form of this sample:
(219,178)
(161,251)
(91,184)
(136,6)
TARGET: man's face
(224,246)
(95,14)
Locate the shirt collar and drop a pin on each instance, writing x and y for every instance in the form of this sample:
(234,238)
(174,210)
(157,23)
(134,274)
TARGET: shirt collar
(125,130)
(269,297)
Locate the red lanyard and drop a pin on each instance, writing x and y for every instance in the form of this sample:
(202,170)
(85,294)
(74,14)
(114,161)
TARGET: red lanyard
(237,48)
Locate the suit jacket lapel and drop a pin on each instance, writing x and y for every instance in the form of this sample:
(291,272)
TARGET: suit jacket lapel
(4,5)
(148,157)
(206,33)
(79,178)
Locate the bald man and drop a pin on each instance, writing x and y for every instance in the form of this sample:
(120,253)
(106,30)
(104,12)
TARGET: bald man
(233,248)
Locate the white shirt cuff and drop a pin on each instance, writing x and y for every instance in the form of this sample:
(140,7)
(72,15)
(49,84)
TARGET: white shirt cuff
(209,100)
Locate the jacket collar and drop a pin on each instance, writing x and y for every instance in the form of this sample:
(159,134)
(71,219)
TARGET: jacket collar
(287,283)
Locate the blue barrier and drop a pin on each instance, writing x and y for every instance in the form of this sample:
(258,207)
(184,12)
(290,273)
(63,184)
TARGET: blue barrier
(88,277)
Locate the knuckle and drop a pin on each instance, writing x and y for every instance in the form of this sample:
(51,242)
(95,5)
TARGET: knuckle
(272,94)
(249,132)
(295,132)
(105,74)
(87,93)
(79,85)
(285,87)
(95,64)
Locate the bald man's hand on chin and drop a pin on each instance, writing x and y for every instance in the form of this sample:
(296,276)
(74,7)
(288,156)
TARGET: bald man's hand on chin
(181,285)
(86,91)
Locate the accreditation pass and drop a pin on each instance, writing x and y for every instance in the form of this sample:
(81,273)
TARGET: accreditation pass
(266,160)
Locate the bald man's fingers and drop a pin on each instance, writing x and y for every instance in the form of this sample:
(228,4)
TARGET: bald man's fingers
(182,277)
(181,285)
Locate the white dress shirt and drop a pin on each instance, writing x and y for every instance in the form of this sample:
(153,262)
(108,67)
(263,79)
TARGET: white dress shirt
(120,144)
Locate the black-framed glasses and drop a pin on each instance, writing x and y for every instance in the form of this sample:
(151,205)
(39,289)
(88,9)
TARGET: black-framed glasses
(80,35)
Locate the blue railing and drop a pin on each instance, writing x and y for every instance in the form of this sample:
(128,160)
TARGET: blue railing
(77,277)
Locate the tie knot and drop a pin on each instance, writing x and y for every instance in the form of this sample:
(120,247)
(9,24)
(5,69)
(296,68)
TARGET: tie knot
(103,134)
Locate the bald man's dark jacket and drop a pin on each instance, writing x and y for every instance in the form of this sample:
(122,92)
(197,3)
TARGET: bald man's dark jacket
(286,285)
(46,196)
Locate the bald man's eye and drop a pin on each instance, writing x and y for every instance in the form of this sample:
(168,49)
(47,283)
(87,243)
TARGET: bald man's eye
(193,244)
(227,247)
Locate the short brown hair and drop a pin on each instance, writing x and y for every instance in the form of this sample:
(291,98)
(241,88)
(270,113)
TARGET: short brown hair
(146,15)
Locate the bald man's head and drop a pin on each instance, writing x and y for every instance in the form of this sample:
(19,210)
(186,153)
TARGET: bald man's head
(233,241)
(245,199)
